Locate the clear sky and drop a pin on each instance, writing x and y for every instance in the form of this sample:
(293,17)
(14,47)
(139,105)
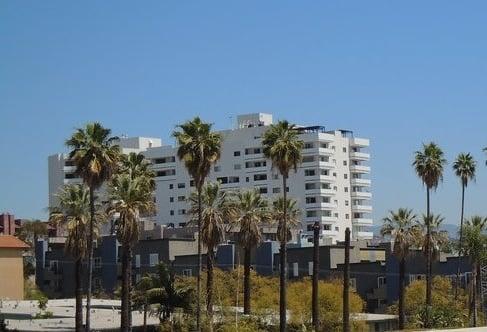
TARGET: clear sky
(399,73)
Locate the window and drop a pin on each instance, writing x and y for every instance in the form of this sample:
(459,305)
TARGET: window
(311,213)
(237,166)
(324,159)
(167,172)
(153,259)
(346,203)
(260,177)
(182,224)
(137,260)
(353,283)
(344,150)
(295,269)
(171,212)
(217,168)
(345,176)
(324,145)
(252,164)
(181,198)
(310,186)
(308,145)
(222,180)
(233,179)
(324,172)
(181,185)
(188,272)
(310,200)
(171,186)
(276,190)
(275,176)
(337,228)
(335,188)
(325,199)
(247,179)
(345,189)
(308,159)
(381,281)
(325,185)
(309,227)
(344,163)
(347,216)
(335,214)
(181,212)
(97,262)
(263,190)
(309,172)
(334,174)
(236,153)
(171,199)
(253,150)
(164,160)
(327,227)
(191,183)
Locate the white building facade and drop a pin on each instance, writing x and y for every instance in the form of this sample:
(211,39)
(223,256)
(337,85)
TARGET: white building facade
(332,184)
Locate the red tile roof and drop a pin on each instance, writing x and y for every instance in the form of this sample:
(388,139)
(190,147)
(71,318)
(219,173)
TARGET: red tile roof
(10,241)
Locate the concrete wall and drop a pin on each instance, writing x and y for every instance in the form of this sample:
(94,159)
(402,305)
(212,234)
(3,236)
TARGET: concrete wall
(11,274)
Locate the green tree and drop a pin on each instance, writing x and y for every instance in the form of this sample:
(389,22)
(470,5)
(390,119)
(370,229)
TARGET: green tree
(429,164)
(400,226)
(95,155)
(250,211)
(283,147)
(214,215)
(129,198)
(475,248)
(464,167)
(73,213)
(198,148)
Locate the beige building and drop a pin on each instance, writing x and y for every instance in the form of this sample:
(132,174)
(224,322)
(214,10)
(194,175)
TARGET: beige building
(11,268)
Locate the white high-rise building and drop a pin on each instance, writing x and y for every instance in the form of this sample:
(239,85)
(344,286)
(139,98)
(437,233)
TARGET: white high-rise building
(332,184)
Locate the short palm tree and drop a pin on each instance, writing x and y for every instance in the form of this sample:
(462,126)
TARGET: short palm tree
(464,167)
(215,213)
(283,147)
(129,198)
(250,211)
(474,247)
(198,148)
(438,239)
(429,164)
(137,166)
(400,226)
(73,213)
(95,156)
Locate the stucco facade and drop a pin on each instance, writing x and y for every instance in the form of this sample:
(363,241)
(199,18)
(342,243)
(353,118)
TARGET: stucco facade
(11,268)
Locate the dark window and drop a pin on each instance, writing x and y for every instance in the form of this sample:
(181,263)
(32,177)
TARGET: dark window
(263,190)
(236,153)
(260,177)
(181,185)
(171,186)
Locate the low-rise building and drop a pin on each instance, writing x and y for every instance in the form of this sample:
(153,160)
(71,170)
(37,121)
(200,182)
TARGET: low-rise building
(11,267)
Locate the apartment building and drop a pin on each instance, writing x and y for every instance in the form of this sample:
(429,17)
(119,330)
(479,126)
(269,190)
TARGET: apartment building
(332,184)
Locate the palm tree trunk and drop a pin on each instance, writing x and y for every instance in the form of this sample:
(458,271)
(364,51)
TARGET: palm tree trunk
(90,258)
(428,260)
(247,252)
(457,284)
(474,294)
(316,261)
(145,318)
(209,287)
(79,296)
(283,267)
(124,319)
(346,283)
(402,285)
(198,279)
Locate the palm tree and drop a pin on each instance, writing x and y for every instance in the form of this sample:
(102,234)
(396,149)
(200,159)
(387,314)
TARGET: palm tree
(95,157)
(250,211)
(129,197)
(31,230)
(475,243)
(283,147)
(400,226)
(464,167)
(438,239)
(215,212)
(199,148)
(429,164)
(73,213)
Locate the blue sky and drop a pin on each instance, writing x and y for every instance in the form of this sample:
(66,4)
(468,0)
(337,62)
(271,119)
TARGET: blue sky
(398,73)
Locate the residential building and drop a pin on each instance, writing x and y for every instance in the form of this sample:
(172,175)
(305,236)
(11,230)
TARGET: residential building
(8,224)
(331,185)
(11,267)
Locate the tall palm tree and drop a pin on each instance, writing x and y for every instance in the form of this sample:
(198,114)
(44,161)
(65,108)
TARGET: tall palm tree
(95,156)
(283,147)
(73,213)
(216,210)
(400,226)
(474,247)
(250,211)
(428,164)
(129,198)
(464,167)
(198,148)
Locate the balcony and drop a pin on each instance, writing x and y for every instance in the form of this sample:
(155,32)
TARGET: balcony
(361,194)
(321,178)
(359,169)
(362,208)
(360,142)
(362,222)
(365,235)
(69,169)
(73,181)
(321,205)
(326,164)
(326,192)
(361,182)
(359,155)
(320,218)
